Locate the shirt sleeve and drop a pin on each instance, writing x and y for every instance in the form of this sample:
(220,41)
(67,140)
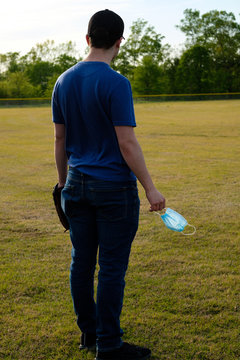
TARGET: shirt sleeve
(122,110)
(57,116)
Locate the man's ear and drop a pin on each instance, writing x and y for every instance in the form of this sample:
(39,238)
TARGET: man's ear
(88,40)
(118,43)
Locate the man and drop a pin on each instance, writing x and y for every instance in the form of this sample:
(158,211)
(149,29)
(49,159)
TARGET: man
(94,131)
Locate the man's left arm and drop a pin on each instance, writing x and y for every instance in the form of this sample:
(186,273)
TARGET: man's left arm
(60,154)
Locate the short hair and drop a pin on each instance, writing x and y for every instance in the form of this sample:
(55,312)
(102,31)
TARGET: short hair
(104,28)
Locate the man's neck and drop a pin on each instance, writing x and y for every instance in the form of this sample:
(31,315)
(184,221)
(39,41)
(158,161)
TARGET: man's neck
(101,55)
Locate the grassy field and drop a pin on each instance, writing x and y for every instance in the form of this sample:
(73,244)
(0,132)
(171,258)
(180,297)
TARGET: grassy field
(183,293)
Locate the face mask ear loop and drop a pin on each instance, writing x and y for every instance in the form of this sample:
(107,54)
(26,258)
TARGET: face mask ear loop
(190,233)
(158,212)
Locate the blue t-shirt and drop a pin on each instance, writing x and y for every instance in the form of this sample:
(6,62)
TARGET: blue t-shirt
(90,99)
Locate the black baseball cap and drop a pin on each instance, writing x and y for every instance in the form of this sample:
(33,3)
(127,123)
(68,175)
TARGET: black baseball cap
(104,28)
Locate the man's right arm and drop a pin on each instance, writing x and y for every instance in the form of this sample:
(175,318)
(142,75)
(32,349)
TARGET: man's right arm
(132,154)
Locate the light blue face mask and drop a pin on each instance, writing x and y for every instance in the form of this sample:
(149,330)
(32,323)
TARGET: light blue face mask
(174,221)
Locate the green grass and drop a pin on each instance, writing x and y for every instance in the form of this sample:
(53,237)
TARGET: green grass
(183,293)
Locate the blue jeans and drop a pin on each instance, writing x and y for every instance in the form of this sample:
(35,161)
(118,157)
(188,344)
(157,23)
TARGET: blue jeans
(103,215)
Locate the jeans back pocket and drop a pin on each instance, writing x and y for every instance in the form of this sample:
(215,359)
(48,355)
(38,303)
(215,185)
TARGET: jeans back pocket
(111,204)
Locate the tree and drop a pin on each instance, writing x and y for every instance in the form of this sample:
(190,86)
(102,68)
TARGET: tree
(64,62)
(147,77)
(50,85)
(143,41)
(193,71)
(217,30)
(4,91)
(9,62)
(219,33)
(3,64)
(43,63)
(39,73)
(170,67)
(18,86)
(49,52)
(46,61)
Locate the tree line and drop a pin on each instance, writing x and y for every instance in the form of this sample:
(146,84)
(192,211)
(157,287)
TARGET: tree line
(208,63)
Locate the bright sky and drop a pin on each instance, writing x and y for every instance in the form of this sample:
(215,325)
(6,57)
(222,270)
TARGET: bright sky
(27,22)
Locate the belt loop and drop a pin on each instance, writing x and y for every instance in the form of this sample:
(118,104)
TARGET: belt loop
(82,184)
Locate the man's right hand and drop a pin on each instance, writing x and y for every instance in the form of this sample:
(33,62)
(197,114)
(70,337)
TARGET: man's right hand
(156,200)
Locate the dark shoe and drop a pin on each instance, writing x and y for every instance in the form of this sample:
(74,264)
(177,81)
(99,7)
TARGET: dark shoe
(125,352)
(88,341)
